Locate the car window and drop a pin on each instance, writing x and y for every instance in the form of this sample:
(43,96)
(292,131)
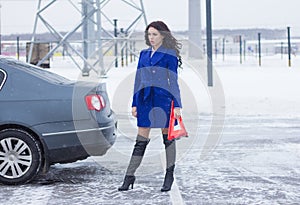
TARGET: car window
(2,78)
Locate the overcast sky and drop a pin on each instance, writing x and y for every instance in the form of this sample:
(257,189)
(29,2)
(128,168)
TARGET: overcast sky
(17,16)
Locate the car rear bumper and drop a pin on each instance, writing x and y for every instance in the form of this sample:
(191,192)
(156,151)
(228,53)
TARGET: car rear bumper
(75,144)
(93,142)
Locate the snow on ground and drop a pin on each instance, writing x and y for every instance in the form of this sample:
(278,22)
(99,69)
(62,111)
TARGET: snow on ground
(255,160)
(271,89)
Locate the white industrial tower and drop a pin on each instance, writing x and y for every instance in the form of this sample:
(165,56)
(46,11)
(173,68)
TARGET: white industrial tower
(194,33)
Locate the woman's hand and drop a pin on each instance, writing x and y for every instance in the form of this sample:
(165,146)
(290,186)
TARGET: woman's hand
(177,112)
(133,112)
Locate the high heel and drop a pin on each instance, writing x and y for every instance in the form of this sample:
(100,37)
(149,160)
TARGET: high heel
(128,180)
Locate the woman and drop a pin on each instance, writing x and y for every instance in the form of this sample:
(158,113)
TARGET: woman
(156,85)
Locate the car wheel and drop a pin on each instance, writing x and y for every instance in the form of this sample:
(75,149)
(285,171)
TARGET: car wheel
(20,156)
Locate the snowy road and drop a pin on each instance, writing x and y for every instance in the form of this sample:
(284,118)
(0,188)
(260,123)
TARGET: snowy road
(257,161)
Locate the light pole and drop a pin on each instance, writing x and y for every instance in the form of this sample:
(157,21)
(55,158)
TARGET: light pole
(209,43)
(259,49)
(116,42)
(289,45)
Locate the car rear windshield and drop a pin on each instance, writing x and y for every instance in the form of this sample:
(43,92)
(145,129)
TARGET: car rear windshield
(38,72)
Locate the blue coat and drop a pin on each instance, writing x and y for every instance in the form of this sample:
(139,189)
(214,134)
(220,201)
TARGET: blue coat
(156,85)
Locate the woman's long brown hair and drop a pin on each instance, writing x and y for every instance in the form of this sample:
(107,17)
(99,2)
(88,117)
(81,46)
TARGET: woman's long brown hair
(169,40)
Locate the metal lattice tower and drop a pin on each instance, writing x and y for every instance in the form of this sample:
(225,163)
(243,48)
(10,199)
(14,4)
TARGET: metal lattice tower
(94,33)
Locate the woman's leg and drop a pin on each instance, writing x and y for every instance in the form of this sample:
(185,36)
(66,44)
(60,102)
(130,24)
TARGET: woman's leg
(142,141)
(144,132)
(170,148)
(164,131)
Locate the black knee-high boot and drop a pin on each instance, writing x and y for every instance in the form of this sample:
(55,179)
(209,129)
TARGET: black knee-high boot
(170,147)
(135,161)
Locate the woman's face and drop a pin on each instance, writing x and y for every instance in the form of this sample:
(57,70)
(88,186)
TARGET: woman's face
(155,38)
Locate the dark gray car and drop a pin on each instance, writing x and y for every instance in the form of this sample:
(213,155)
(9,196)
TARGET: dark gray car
(47,119)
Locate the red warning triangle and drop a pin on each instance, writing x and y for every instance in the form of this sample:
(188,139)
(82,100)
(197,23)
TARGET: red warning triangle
(176,126)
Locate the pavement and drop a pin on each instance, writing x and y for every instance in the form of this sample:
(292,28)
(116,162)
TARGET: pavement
(254,162)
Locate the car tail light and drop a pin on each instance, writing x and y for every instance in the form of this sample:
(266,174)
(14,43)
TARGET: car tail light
(94,102)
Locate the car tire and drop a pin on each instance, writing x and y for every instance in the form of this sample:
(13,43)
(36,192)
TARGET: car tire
(20,157)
